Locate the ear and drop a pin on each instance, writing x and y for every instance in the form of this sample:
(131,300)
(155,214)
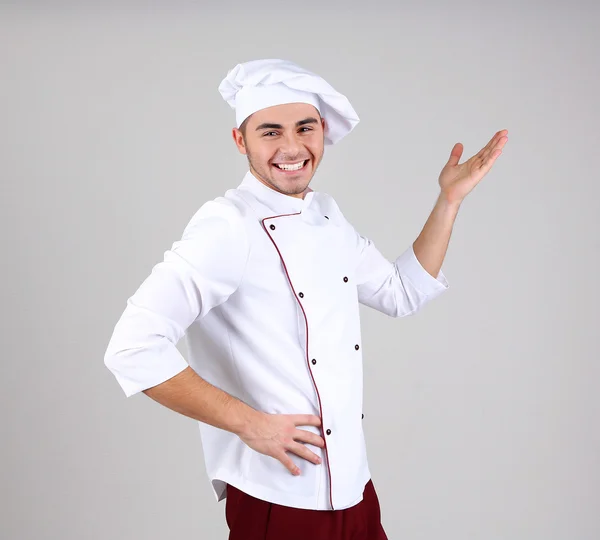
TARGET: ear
(238,138)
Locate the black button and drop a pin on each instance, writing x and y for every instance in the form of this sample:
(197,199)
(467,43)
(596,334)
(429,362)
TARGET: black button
(326,217)
(272,227)
(363,416)
(356,347)
(314,361)
(328,432)
(301,295)
(345,279)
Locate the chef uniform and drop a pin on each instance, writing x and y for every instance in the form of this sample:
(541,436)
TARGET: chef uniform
(266,288)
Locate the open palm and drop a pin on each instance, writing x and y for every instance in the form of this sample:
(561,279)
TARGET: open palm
(457,180)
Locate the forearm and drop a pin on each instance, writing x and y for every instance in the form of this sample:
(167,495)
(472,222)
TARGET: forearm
(431,245)
(189,394)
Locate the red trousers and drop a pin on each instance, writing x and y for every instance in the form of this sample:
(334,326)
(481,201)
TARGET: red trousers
(249,518)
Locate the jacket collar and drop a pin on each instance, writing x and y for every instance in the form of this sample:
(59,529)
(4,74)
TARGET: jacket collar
(313,208)
(278,202)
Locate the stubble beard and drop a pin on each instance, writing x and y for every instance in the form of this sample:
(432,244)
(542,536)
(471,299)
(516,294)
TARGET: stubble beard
(268,178)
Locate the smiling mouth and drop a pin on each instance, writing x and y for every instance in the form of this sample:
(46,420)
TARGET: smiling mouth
(291,168)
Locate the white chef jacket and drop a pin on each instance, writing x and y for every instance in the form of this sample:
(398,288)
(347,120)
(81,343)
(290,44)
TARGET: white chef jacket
(266,289)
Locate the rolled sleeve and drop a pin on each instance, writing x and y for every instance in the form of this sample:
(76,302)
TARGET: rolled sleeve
(398,288)
(411,269)
(199,272)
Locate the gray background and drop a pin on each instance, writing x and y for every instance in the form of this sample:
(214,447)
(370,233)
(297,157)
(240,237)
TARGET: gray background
(481,411)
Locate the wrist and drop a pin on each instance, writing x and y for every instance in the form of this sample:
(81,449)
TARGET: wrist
(447,203)
(247,421)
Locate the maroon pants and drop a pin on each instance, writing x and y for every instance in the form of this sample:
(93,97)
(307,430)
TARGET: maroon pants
(253,519)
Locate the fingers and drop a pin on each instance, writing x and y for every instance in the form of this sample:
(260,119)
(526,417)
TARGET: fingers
(500,141)
(484,159)
(455,154)
(497,136)
(301,451)
(305,453)
(493,152)
(490,151)
(485,164)
(305,420)
(285,439)
(304,435)
(483,153)
(287,462)
(496,143)
(309,437)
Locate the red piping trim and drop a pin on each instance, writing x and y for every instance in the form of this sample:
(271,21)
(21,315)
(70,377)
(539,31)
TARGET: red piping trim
(307,356)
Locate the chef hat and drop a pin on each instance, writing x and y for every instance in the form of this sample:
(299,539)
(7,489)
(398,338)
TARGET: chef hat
(258,84)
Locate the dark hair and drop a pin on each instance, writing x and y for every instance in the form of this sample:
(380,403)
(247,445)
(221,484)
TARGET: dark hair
(243,126)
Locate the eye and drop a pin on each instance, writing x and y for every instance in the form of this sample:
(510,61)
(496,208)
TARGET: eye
(268,132)
(307,128)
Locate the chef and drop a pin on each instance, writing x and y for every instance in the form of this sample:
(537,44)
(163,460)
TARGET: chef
(265,285)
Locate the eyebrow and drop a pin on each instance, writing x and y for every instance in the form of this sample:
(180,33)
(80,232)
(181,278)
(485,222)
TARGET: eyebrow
(309,120)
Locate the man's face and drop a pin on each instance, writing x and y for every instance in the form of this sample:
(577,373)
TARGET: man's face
(291,134)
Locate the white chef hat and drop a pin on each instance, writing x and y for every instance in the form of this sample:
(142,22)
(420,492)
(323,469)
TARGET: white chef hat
(258,84)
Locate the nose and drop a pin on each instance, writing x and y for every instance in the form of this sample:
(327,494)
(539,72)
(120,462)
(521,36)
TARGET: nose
(290,146)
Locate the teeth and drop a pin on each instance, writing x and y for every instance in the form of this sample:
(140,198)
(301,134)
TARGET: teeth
(286,167)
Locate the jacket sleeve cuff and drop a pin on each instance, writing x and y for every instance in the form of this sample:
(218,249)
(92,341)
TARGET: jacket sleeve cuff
(410,268)
(140,369)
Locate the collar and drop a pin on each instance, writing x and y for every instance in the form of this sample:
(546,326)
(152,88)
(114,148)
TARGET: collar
(279,203)
(316,208)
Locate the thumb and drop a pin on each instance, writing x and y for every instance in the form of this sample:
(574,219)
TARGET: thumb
(457,151)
